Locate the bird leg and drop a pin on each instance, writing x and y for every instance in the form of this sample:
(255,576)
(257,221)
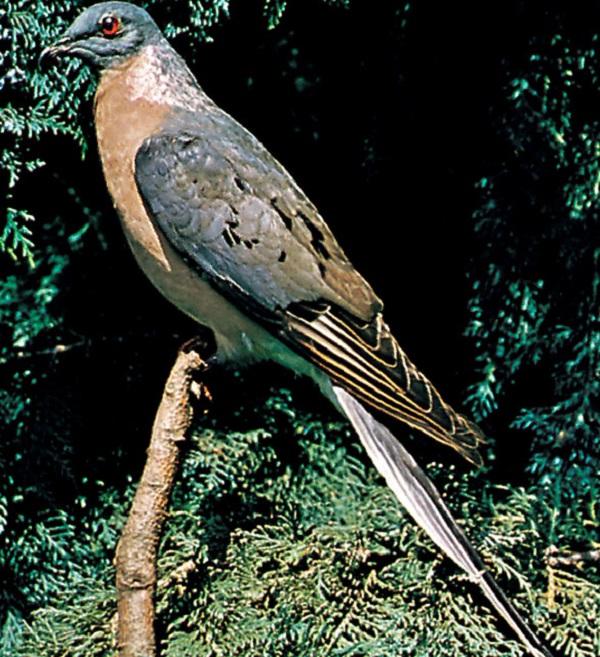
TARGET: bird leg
(137,547)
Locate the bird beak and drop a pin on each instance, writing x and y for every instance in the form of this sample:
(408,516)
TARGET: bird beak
(51,53)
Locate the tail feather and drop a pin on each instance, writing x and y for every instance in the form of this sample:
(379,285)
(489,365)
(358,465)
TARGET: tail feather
(421,499)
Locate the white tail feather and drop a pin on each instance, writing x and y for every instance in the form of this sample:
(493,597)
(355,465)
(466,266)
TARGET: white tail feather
(421,499)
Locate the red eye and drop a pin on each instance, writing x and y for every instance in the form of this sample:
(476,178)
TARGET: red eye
(110,25)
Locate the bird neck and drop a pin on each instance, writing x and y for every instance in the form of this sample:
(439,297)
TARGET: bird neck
(156,75)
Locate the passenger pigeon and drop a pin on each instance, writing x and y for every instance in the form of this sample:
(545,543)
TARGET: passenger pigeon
(223,231)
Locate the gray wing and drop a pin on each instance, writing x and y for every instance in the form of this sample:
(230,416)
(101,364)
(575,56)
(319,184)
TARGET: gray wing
(236,214)
(240,220)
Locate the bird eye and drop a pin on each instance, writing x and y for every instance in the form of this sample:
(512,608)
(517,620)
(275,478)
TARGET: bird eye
(109,25)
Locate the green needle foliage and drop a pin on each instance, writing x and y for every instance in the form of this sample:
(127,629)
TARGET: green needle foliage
(535,307)
(282,540)
(538,231)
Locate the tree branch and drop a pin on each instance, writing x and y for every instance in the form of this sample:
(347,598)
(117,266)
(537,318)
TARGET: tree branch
(137,548)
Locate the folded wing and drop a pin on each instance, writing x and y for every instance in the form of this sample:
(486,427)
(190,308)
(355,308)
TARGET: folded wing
(237,216)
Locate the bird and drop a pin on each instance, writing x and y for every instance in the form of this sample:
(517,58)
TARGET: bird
(223,231)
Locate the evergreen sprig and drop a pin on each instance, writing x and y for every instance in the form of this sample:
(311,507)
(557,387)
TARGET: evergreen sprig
(283,541)
(535,305)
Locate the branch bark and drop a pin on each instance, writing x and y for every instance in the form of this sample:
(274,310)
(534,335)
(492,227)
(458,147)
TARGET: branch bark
(137,548)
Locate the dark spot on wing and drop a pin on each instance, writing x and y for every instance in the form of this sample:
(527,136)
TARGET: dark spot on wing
(287,221)
(242,185)
(317,238)
(230,235)
(282,256)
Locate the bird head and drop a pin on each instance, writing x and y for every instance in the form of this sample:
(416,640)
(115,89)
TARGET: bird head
(105,34)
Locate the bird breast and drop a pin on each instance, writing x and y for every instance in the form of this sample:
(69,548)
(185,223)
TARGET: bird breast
(125,117)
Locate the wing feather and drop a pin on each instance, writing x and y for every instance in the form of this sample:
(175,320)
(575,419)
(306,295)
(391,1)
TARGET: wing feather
(392,385)
(237,216)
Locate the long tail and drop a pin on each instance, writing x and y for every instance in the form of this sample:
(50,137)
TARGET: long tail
(419,496)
